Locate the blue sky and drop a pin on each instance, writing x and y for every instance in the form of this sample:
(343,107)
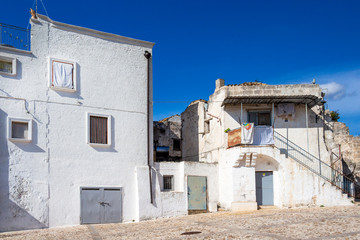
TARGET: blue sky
(276,42)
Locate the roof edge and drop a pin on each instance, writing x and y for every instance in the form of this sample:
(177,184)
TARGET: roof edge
(96,33)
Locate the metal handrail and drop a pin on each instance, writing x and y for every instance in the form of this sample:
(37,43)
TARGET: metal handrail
(15,37)
(314,164)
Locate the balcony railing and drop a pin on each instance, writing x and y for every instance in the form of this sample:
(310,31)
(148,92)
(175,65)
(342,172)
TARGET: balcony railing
(14,37)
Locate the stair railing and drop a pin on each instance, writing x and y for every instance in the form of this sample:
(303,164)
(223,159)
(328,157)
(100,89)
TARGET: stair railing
(314,164)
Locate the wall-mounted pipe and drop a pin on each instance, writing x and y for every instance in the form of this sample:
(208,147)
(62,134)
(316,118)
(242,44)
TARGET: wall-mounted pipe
(148,57)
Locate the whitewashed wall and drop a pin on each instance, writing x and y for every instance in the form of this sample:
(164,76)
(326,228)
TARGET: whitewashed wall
(293,185)
(175,202)
(40,181)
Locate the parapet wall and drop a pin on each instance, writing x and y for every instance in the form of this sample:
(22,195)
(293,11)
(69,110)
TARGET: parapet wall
(273,90)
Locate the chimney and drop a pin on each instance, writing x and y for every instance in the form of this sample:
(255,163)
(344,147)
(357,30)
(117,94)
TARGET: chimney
(219,83)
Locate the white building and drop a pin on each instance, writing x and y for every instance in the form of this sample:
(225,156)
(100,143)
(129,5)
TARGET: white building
(75,128)
(76,138)
(286,162)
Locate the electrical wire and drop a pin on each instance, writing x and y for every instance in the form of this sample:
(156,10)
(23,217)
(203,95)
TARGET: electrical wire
(44,8)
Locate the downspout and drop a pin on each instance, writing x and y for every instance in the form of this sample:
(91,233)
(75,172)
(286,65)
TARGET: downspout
(148,56)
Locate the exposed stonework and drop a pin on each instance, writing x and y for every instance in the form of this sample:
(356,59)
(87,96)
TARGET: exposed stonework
(167,136)
(341,143)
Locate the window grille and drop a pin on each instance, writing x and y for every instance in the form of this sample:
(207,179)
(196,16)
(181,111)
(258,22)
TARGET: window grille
(168,182)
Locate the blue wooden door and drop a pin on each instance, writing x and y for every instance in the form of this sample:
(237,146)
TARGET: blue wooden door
(264,188)
(197,190)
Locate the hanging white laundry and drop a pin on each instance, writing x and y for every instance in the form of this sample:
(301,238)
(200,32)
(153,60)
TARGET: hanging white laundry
(247,133)
(263,135)
(63,75)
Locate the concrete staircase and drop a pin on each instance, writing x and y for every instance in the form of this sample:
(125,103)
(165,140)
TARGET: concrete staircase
(337,179)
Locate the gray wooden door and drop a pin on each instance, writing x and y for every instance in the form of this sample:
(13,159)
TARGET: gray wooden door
(100,205)
(197,193)
(264,188)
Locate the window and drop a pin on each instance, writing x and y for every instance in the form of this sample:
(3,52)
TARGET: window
(20,130)
(176,145)
(7,66)
(99,130)
(207,126)
(62,75)
(168,182)
(260,118)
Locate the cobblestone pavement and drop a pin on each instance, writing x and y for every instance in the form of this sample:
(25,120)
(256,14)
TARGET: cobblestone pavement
(301,223)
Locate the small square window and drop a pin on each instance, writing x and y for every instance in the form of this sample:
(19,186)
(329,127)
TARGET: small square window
(20,130)
(168,182)
(176,145)
(62,75)
(7,66)
(99,130)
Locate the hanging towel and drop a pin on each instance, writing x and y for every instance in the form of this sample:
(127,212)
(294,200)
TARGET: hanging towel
(63,75)
(247,133)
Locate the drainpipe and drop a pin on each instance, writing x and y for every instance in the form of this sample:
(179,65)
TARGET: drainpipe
(148,56)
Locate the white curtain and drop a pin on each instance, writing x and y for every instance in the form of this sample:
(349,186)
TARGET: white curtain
(63,75)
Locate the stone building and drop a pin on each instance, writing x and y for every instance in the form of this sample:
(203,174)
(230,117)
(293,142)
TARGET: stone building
(254,144)
(167,139)
(341,143)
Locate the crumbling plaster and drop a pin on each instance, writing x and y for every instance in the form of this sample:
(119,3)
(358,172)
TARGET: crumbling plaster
(294,185)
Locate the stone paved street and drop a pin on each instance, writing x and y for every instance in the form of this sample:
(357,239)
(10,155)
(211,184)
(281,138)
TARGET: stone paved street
(301,223)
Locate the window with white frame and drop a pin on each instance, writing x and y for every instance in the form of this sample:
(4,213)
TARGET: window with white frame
(19,129)
(99,129)
(62,75)
(7,66)
(168,183)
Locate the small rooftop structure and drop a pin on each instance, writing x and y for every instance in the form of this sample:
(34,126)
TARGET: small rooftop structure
(261,93)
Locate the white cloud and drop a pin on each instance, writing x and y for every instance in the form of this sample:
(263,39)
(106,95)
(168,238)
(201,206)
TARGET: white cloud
(334,90)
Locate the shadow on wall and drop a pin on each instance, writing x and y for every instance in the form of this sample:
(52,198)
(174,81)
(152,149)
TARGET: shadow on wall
(350,174)
(154,177)
(190,133)
(314,119)
(12,215)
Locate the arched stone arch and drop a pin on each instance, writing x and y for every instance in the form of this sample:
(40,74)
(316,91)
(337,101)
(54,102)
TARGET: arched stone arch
(266,163)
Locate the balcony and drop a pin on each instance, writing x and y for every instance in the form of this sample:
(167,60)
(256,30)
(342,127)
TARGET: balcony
(14,37)
(263,135)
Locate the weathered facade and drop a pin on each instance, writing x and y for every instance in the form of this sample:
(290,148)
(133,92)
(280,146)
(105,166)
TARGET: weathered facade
(167,139)
(341,143)
(286,163)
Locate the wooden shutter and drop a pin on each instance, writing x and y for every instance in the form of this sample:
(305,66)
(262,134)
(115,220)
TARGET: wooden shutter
(98,130)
